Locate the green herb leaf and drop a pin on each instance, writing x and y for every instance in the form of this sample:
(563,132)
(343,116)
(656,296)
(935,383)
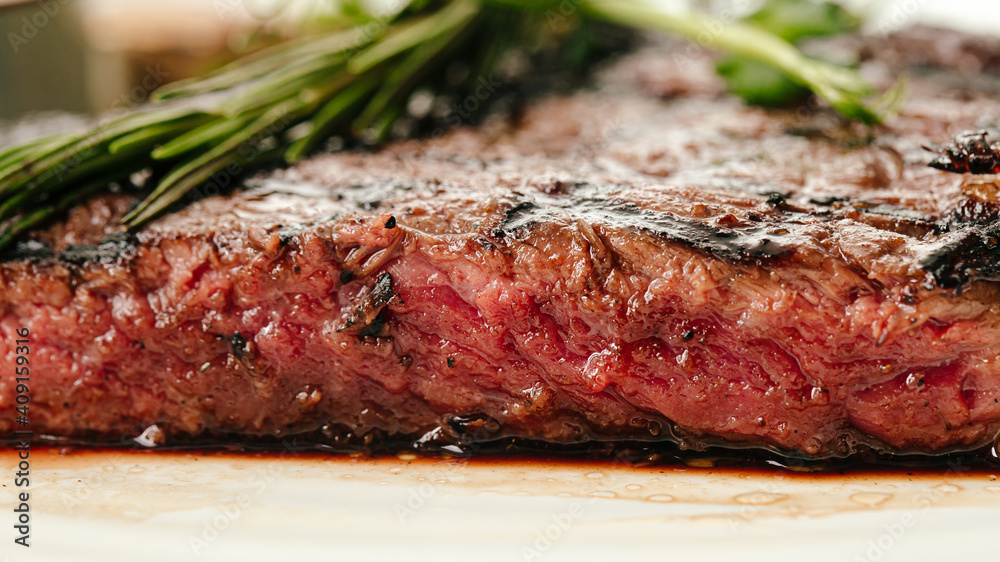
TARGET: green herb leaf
(760,84)
(793,20)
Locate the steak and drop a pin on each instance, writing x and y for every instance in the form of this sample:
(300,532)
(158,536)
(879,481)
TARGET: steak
(646,259)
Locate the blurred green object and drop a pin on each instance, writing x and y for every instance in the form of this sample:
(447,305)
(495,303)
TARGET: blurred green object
(760,84)
(792,20)
(797,19)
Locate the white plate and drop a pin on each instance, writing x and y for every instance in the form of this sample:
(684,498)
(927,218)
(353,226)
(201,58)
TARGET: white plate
(109,506)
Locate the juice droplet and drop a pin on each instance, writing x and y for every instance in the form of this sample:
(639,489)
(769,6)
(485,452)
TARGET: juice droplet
(633,487)
(603,494)
(871,499)
(759,498)
(662,498)
(947,488)
(595,475)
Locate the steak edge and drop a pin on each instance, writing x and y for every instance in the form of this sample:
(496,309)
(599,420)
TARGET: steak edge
(613,266)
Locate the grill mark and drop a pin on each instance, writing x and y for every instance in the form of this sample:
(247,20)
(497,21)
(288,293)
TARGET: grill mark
(968,250)
(111,249)
(751,243)
(964,257)
(965,250)
(909,216)
(27,250)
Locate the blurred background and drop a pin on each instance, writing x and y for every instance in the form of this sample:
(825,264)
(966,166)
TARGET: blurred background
(95,56)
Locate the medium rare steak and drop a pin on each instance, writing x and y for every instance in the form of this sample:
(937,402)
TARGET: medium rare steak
(645,260)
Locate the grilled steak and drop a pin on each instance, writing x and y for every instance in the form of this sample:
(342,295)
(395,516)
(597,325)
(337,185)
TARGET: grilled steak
(648,259)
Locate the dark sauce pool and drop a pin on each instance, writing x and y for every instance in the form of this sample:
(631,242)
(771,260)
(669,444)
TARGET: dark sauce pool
(509,452)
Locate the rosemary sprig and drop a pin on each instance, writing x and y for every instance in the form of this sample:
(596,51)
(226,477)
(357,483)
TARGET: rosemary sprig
(354,81)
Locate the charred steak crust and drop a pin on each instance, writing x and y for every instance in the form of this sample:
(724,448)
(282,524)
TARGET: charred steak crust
(686,269)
